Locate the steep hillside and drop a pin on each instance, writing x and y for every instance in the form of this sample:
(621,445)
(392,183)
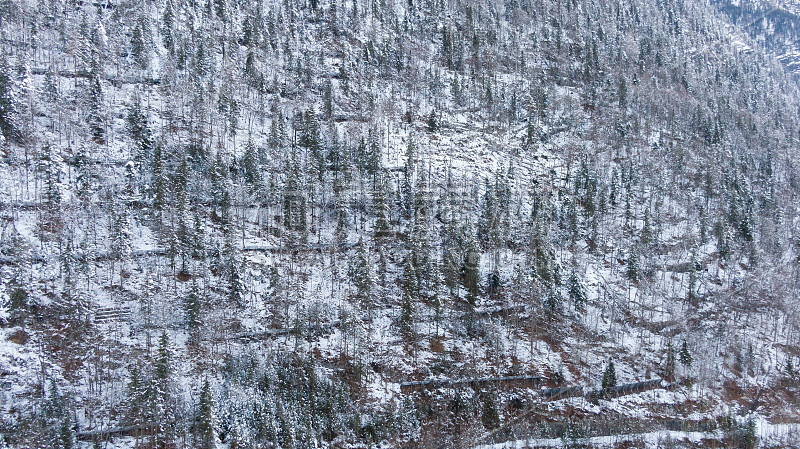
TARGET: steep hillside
(774,26)
(413,224)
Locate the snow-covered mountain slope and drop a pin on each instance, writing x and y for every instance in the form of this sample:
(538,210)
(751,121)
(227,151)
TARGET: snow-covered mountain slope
(403,224)
(773,25)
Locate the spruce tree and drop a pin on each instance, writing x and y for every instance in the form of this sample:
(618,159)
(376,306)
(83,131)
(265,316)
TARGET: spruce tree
(433,123)
(8,106)
(669,368)
(95,105)
(633,269)
(577,292)
(685,356)
(361,276)
(381,229)
(609,376)
(139,50)
(205,417)
(410,294)
(158,181)
(162,392)
(470,272)
(136,124)
(193,308)
(490,417)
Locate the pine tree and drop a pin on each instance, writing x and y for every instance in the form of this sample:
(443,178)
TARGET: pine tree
(139,50)
(577,292)
(748,437)
(327,98)
(163,358)
(609,376)
(167,24)
(158,180)
(121,238)
(139,131)
(669,368)
(633,268)
(51,173)
(433,122)
(205,417)
(361,276)
(381,228)
(470,272)
(95,105)
(490,417)
(8,106)
(410,294)
(233,269)
(65,434)
(310,140)
(294,204)
(694,267)
(545,268)
(137,410)
(685,356)
(406,187)
(193,307)
(646,236)
(162,392)
(250,165)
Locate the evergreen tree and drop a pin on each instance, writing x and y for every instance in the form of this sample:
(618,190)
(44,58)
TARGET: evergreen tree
(490,417)
(410,294)
(310,140)
(646,236)
(162,397)
(470,272)
(381,229)
(193,307)
(163,360)
(748,437)
(433,122)
(139,47)
(633,269)
(327,98)
(8,102)
(294,204)
(685,356)
(139,131)
(205,417)
(121,238)
(694,267)
(609,376)
(577,292)
(167,25)
(361,276)
(138,411)
(50,170)
(669,368)
(250,165)
(158,180)
(95,105)
(545,268)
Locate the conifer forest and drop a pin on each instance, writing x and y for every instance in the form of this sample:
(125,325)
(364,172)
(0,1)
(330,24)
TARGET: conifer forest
(352,224)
